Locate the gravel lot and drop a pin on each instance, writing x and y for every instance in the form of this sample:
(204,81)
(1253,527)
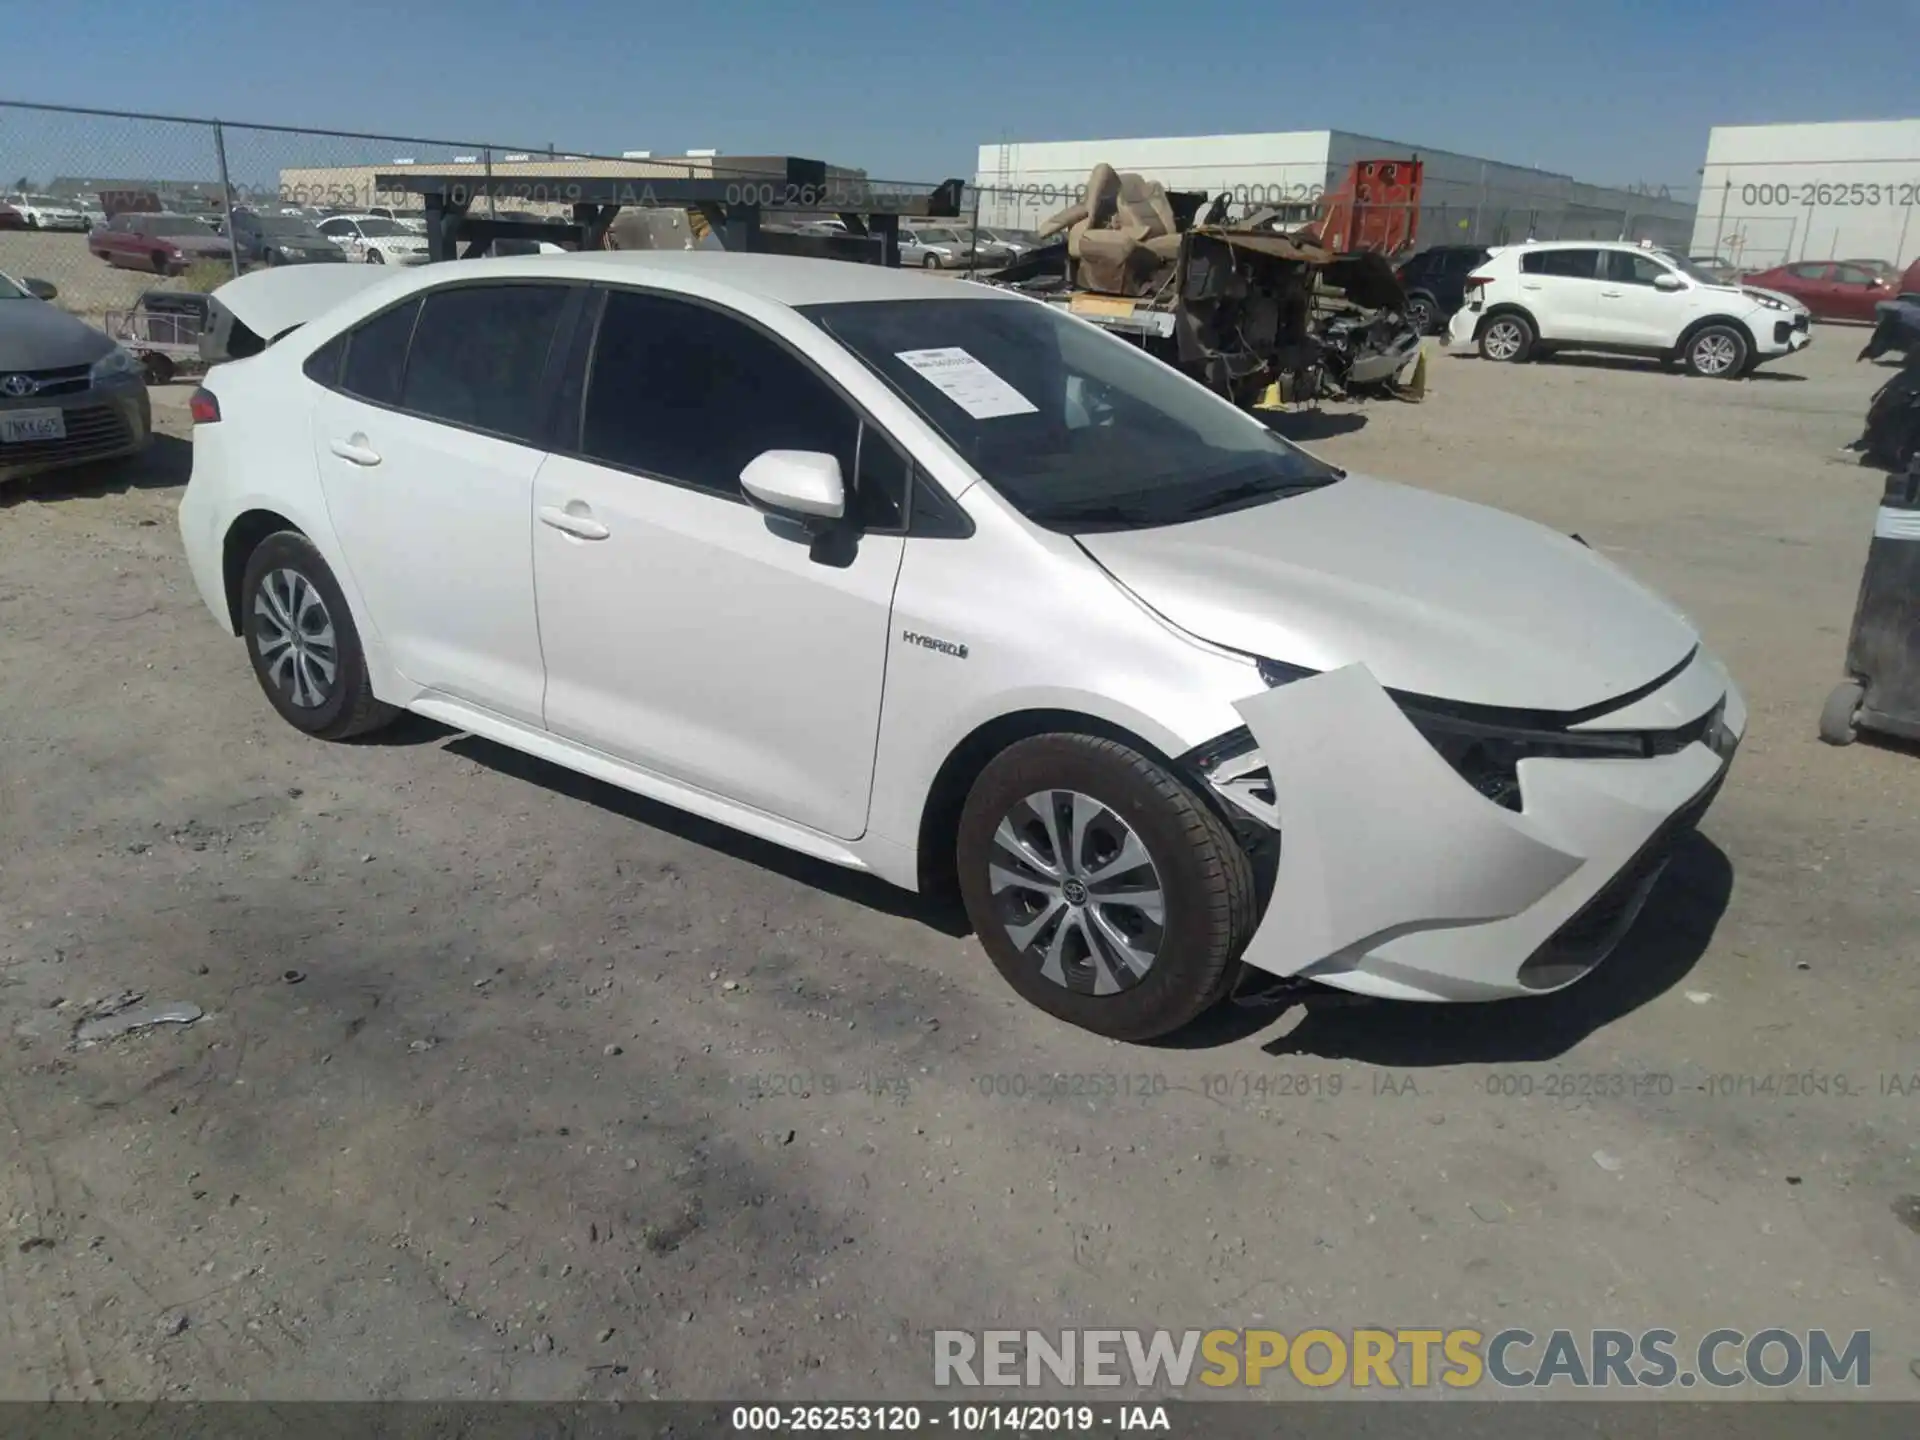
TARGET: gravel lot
(512,1085)
(88,286)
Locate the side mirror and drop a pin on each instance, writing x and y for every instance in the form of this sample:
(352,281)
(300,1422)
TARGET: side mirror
(804,486)
(1667,280)
(41,289)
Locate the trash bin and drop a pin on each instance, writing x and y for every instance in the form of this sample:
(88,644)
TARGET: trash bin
(1882,688)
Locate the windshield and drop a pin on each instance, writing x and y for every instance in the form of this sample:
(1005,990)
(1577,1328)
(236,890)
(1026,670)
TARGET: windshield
(379,229)
(936,237)
(1078,430)
(1693,270)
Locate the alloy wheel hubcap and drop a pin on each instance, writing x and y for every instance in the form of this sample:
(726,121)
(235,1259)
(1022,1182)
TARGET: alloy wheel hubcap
(293,635)
(1714,354)
(1077,892)
(1502,341)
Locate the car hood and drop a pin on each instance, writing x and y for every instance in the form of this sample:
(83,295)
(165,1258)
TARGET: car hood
(1754,291)
(1436,596)
(36,336)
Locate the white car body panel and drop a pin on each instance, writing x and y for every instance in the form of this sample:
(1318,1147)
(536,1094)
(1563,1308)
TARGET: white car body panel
(695,654)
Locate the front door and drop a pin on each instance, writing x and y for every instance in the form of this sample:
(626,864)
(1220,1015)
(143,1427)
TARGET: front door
(1631,309)
(426,457)
(685,631)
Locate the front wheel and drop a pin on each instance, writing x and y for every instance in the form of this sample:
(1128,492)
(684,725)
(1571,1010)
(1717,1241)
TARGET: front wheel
(1507,338)
(1718,352)
(301,639)
(374,257)
(932,262)
(1104,890)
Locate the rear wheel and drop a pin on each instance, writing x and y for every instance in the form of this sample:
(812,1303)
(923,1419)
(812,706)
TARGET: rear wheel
(159,262)
(1717,352)
(1105,891)
(1507,338)
(1422,314)
(301,639)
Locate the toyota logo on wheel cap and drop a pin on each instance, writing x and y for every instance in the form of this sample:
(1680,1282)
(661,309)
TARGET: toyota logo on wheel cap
(18,385)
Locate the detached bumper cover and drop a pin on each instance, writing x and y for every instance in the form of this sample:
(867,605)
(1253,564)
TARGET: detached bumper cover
(1397,879)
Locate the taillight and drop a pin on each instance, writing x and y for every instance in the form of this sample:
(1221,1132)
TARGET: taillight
(204,406)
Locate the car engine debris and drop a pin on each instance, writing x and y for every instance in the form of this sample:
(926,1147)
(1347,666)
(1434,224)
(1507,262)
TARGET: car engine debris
(1241,305)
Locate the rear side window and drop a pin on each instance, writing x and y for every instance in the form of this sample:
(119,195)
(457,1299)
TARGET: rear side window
(1574,264)
(689,394)
(377,355)
(478,354)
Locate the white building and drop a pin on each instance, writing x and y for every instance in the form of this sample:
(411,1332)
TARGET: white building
(1774,193)
(1463,199)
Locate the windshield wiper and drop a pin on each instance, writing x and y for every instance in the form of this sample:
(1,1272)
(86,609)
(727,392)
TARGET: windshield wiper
(1102,512)
(1254,490)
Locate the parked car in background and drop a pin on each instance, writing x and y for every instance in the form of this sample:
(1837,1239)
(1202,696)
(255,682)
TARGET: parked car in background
(1830,289)
(1576,295)
(1015,242)
(1435,281)
(43,212)
(160,241)
(68,394)
(977,247)
(280,240)
(932,247)
(794,502)
(414,220)
(376,241)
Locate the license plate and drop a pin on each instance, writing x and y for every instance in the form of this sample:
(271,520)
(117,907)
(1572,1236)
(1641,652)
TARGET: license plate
(20,427)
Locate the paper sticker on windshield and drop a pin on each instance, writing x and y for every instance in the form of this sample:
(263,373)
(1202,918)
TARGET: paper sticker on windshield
(966,382)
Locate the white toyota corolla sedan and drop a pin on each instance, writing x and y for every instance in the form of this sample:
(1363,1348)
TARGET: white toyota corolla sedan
(936,581)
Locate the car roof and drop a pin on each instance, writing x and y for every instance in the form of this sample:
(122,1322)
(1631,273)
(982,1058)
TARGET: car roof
(782,279)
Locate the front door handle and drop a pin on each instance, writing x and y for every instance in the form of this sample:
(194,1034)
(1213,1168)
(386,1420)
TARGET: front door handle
(1611,294)
(581,526)
(355,451)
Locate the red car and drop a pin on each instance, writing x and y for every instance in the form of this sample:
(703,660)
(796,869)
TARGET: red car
(156,241)
(1832,290)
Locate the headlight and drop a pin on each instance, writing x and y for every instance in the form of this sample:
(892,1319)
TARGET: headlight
(117,364)
(1485,748)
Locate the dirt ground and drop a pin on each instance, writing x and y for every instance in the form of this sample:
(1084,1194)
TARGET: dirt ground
(509,1084)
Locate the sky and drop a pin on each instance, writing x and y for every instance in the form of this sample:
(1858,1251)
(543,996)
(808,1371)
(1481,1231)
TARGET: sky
(1610,91)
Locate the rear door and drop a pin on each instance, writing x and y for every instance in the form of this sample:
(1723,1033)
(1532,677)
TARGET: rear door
(426,439)
(1562,288)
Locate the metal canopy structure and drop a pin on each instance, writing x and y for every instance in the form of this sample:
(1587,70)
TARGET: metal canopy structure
(731,205)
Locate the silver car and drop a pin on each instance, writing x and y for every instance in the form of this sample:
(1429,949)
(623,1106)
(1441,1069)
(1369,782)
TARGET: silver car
(935,247)
(68,394)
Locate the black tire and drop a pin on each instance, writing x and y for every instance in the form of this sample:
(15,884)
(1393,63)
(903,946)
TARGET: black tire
(1718,352)
(931,262)
(1507,337)
(160,266)
(1423,313)
(1840,716)
(1203,877)
(374,257)
(347,707)
(159,368)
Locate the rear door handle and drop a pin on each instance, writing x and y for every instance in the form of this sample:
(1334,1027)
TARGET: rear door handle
(355,451)
(1611,294)
(1529,285)
(581,526)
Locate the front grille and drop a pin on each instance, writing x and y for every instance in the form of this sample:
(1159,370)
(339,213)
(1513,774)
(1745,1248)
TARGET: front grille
(65,380)
(1590,934)
(93,431)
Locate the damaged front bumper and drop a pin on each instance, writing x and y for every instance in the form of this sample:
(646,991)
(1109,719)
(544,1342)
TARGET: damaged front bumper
(1398,878)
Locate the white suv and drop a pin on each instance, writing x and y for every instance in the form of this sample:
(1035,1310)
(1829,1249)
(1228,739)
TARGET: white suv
(1587,295)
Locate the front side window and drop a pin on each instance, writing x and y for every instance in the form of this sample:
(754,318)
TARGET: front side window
(1626,269)
(1078,430)
(1854,275)
(1571,264)
(690,394)
(478,354)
